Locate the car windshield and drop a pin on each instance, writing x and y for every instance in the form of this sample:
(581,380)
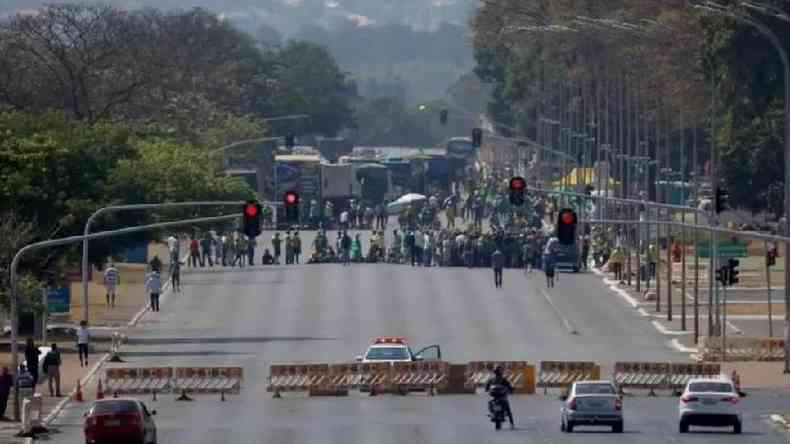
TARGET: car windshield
(594,389)
(387,354)
(115,407)
(710,387)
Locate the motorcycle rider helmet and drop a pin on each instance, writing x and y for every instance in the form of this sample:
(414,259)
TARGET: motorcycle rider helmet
(498,370)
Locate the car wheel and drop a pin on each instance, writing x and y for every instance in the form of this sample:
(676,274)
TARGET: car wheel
(736,428)
(569,427)
(684,427)
(617,428)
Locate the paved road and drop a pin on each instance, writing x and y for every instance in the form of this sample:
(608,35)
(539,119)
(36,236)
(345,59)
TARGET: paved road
(256,316)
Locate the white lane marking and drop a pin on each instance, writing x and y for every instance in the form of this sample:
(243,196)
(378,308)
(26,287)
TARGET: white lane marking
(660,327)
(682,348)
(613,285)
(565,321)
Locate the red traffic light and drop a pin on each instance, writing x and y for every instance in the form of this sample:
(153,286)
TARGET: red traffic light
(291,198)
(251,210)
(568,218)
(518,184)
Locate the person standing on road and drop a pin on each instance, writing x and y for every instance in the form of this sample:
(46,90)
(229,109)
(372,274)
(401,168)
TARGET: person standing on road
(194,253)
(277,244)
(297,247)
(31,360)
(345,244)
(111,280)
(83,337)
(251,251)
(175,276)
(52,364)
(241,250)
(288,248)
(498,263)
(6,382)
(153,284)
(411,247)
(427,255)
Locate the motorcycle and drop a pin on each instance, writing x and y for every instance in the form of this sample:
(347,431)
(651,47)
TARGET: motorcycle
(496,405)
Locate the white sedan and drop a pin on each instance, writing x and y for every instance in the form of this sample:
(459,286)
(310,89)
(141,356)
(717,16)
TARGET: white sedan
(712,402)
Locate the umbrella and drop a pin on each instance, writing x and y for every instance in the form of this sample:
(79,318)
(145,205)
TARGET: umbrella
(403,202)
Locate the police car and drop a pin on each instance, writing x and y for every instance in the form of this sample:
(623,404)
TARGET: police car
(396,349)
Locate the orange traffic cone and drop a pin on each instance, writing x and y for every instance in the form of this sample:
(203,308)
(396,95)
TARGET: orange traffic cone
(78,394)
(99,391)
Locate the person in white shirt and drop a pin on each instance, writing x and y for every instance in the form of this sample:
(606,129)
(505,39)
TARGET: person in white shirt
(83,337)
(172,246)
(111,280)
(427,255)
(344,220)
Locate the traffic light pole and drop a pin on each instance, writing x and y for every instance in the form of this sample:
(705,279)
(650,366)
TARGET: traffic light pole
(117,208)
(66,241)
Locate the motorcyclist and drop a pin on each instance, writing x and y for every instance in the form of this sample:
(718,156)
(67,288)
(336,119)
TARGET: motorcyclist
(500,380)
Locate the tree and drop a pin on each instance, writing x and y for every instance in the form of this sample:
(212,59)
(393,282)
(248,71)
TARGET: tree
(304,79)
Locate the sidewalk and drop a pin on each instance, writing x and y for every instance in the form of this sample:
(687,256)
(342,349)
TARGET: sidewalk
(758,374)
(127,308)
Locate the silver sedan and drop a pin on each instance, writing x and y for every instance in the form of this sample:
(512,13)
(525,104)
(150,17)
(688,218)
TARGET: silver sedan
(592,403)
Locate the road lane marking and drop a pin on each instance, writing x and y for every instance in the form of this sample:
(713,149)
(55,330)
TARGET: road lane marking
(568,326)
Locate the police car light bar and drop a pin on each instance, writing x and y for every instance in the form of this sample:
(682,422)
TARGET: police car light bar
(390,340)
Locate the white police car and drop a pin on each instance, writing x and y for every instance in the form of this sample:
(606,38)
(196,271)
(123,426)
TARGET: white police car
(396,349)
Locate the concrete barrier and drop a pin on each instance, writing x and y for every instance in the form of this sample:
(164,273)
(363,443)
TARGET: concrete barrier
(412,376)
(137,380)
(520,374)
(641,375)
(743,349)
(561,374)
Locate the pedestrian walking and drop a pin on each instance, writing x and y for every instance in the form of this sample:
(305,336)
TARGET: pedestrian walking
(111,280)
(277,244)
(31,359)
(52,364)
(156,263)
(224,245)
(83,338)
(172,247)
(240,247)
(175,276)
(153,284)
(6,383)
(411,247)
(205,247)
(194,253)
(498,263)
(427,256)
(549,267)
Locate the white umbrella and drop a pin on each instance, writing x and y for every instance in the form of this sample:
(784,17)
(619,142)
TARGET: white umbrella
(404,201)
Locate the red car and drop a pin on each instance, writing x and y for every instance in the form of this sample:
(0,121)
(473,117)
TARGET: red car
(119,420)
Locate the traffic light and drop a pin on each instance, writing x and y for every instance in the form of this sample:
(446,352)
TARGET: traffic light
(732,277)
(721,275)
(291,204)
(290,140)
(566,226)
(252,219)
(477,137)
(517,187)
(722,200)
(770,257)
(443,116)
